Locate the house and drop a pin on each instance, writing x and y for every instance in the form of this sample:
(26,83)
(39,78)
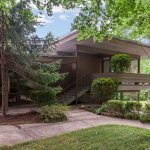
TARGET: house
(86,60)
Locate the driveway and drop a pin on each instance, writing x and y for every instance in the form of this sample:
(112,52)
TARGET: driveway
(77,119)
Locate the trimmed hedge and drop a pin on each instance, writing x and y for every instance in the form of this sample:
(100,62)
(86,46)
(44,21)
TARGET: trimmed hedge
(115,107)
(104,88)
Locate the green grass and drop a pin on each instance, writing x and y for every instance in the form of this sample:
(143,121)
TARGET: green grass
(108,137)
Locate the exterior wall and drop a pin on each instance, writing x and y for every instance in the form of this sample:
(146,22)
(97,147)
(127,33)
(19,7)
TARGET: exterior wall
(88,63)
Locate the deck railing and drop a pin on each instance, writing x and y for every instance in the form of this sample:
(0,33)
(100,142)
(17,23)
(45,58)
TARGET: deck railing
(128,81)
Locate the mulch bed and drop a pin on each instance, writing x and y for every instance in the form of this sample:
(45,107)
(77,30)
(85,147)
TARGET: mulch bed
(26,118)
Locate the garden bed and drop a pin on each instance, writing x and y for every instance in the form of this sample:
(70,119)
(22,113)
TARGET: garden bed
(25,118)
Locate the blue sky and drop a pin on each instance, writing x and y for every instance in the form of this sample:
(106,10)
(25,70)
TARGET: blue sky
(58,24)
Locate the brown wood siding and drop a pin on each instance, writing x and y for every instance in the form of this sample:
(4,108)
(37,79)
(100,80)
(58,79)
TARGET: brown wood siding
(88,63)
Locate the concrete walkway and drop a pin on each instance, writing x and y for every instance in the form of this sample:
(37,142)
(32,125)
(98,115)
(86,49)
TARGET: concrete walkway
(77,119)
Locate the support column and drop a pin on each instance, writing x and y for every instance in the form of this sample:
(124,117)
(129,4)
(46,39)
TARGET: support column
(138,95)
(139,66)
(76,76)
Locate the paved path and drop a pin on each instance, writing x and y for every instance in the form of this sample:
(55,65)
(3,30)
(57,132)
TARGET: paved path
(77,119)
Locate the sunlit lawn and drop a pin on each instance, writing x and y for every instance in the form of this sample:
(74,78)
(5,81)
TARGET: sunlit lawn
(108,137)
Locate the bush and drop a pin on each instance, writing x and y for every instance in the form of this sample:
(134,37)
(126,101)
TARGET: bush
(120,62)
(145,116)
(131,115)
(100,109)
(132,110)
(104,88)
(54,113)
(115,107)
(43,97)
(131,106)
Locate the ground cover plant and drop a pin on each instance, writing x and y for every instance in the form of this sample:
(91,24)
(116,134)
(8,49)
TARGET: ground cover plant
(54,113)
(122,109)
(108,137)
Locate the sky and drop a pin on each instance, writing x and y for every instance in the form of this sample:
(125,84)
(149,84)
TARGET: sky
(58,24)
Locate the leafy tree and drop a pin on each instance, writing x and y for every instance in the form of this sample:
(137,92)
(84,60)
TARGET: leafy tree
(107,18)
(145,66)
(18,24)
(120,62)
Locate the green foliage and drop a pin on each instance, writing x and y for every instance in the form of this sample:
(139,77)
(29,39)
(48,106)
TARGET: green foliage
(112,107)
(115,107)
(131,115)
(121,18)
(42,97)
(104,88)
(118,108)
(101,109)
(132,109)
(54,113)
(120,62)
(145,116)
(132,106)
(145,66)
(48,77)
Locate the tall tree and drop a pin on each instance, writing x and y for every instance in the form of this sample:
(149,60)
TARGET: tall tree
(19,46)
(123,18)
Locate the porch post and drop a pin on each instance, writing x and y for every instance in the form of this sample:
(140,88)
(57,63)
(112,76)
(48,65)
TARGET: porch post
(102,65)
(139,64)
(138,95)
(76,91)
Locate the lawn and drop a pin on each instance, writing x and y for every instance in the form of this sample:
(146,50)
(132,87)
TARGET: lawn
(108,137)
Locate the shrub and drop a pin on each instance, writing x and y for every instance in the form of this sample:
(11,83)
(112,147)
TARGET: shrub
(131,115)
(145,116)
(54,113)
(120,62)
(100,109)
(43,97)
(104,88)
(131,106)
(132,110)
(115,107)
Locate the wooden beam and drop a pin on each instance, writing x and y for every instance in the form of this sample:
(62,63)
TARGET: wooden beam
(65,60)
(103,51)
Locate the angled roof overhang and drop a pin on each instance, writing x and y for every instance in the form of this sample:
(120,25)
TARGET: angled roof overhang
(69,43)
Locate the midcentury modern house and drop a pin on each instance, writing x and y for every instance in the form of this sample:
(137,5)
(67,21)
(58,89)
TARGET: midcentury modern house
(87,60)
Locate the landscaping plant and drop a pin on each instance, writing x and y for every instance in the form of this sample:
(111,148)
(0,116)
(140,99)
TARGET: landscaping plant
(104,88)
(115,108)
(132,109)
(145,116)
(54,112)
(120,63)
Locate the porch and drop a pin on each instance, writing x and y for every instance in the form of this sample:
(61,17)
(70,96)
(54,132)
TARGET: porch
(128,81)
